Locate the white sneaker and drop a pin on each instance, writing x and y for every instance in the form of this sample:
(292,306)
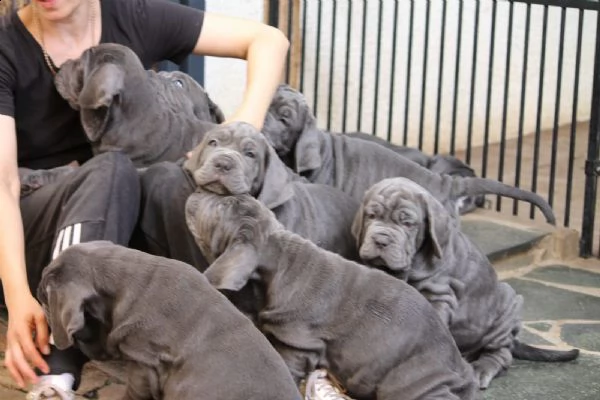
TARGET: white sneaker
(57,387)
(320,387)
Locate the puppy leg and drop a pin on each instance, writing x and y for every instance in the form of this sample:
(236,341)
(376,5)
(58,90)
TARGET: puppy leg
(489,365)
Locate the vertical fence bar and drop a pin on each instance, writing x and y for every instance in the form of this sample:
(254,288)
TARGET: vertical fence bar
(472,98)
(377,67)
(362,65)
(303,66)
(424,82)
(408,71)
(522,107)
(573,136)
(538,128)
(393,71)
(347,66)
(289,35)
(331,63)
(557,108)
(440,79)
(486,138)
(591,167)
(505,109)
(317,57)
(456,77)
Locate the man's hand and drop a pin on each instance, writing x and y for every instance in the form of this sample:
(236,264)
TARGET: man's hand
(26,318)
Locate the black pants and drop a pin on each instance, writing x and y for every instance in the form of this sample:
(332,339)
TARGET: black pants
(99,201)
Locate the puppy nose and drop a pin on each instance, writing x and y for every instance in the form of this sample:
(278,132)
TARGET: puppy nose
(223,164)
(381,241)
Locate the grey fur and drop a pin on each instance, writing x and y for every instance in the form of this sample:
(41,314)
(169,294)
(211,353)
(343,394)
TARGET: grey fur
(236,158)
(180,337)
(353,165)
(33,179)
(374,333)
(149,116)
(402,229)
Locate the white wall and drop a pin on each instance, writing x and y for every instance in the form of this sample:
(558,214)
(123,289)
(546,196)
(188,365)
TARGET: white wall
(225,79)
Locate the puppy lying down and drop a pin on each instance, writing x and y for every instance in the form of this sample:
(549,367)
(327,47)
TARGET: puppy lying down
(374,333)
(181,338)
(402,229)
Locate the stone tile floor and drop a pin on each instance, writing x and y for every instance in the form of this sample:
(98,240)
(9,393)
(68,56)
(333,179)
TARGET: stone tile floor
(562,309)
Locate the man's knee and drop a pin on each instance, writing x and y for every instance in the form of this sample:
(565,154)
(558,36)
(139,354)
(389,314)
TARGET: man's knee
(112,166)
(164,185)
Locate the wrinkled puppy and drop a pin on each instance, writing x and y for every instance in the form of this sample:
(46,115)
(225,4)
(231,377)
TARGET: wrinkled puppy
(353,165)
(374,333)
(402,229)
(33,179)
(149,116)
(181,338)
(236,159)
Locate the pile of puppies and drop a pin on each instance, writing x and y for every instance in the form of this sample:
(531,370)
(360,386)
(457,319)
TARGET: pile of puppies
(357,251)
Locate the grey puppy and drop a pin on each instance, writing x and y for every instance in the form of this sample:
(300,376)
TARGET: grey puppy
(353,165)
(149,116)
(375,334)
(33,179)
(180,337)
(236,158)
(402,229)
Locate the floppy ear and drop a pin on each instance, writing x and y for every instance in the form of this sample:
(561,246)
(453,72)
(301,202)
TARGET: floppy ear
(215,111)
(308,147)
(232,269)
(439,223)
(275,189)
(68,82)
(357,226)
(101,86)
(66,305)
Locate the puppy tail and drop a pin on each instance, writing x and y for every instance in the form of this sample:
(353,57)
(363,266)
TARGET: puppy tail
(523,351)
(478,186)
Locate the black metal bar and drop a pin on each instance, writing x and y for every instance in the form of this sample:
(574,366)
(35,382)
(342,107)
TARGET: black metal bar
(362,65)
(557,109)
(424,82)
(486,138)
(393,71)
(304,7)
(522,107)
(538,128)
(440,80)
(591,178)
(573,136)
(331,62)
(289,35)
(377,67)
(274,13)
(317,57)
(472,98)
(347,66)
(456,76)
(580,4)
(505,110)
(408,71)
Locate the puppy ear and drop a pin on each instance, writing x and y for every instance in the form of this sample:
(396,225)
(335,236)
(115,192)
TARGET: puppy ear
(308,147)
(232,269)
(439,223)
(357,228)
(101,86)
(215,111)
(276,188)
(68,82)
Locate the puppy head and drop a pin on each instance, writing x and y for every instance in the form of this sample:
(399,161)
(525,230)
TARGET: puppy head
(186,88)
(78,312)
(95,82)
(230,231)
(396,220)
(236,159)
(291,128)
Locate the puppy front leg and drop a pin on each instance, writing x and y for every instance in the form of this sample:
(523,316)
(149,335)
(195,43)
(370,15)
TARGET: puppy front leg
(490,364)
(299,362)
(442,296)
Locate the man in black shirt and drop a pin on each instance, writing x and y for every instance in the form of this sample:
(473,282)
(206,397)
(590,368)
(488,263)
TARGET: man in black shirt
(38,129)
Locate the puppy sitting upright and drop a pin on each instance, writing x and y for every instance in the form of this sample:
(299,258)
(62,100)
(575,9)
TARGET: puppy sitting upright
(402,229)
(181,338)
(374,333)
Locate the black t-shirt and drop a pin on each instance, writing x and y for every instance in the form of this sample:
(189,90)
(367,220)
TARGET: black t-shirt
(49,131)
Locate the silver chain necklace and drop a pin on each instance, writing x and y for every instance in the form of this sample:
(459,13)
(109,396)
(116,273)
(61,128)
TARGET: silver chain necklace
(92,20)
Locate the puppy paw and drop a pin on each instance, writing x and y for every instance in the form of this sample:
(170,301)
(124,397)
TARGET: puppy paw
(485,370)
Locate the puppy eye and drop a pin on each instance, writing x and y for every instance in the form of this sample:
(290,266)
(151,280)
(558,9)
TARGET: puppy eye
(250,154)
(179,82)
(370,215)
(213,142)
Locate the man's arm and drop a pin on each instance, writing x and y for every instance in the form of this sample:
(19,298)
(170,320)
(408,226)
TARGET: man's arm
(262,46)
(25,315)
